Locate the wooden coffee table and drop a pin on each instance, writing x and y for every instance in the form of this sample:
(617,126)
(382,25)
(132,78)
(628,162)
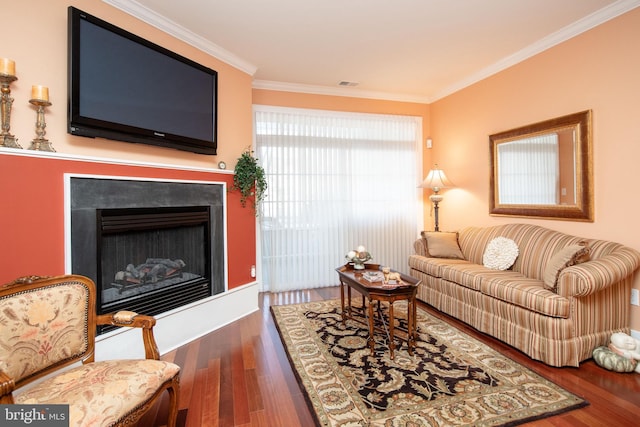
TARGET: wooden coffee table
(351,278)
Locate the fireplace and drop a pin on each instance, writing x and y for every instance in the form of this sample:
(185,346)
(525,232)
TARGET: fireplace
(151,260)
(150,246)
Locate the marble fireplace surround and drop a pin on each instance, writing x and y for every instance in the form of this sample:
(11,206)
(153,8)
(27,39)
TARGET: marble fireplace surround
(88,194)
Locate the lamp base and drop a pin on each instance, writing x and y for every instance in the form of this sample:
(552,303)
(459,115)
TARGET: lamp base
(436,199)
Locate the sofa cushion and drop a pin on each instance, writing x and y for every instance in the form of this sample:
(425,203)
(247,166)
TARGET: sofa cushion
(500,254)
(473,275)
(506,285)
(433,266)
(527,293)
(566,257)
(442,244)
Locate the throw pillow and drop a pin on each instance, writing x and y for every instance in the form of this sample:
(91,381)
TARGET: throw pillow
(566,257)
(442,244)
(500,254)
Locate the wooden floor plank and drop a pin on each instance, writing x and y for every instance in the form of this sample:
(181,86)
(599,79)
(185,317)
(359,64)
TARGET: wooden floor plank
(211,396)
(254,399)
(239,387)
(196,409)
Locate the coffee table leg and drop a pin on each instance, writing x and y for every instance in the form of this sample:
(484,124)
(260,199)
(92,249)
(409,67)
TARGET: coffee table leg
(344,315)
(392,342)
(370,340)
(411,318)
(414,322)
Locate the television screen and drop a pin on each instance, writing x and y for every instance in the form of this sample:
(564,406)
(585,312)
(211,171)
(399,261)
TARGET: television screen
(126,88)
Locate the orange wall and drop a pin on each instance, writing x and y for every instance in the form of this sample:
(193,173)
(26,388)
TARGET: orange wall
(31,188)
(596,70)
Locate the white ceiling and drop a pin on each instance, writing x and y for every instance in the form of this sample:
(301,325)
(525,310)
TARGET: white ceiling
(410,50)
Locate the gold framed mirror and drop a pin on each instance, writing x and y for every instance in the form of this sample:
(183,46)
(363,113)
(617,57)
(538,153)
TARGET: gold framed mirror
(543,170)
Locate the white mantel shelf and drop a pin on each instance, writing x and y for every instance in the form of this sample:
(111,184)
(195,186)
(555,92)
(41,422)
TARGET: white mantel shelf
(105,160)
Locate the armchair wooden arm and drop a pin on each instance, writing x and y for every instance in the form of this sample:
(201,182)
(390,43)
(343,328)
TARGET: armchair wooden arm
(7,385)
(134,320)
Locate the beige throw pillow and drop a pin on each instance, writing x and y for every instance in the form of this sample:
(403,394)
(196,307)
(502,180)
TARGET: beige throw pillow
(500,254)
(442,244)
(566,257)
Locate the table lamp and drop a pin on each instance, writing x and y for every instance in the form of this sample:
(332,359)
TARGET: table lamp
(436,180)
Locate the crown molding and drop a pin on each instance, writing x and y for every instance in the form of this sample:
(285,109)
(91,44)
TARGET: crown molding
(154,19)
(585,24)
(337,91)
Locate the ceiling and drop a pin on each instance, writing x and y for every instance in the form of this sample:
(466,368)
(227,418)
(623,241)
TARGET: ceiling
(409,50)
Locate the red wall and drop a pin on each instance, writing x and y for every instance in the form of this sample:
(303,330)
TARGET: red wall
(32,213)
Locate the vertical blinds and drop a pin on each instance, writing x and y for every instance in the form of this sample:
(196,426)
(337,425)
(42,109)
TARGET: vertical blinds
(335,181)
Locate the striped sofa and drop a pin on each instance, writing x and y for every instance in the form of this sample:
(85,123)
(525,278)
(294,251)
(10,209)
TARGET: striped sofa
(561,327)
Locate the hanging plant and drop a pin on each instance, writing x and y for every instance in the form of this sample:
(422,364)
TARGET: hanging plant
(249,180)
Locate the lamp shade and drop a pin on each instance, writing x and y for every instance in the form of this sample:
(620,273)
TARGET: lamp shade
(436,180)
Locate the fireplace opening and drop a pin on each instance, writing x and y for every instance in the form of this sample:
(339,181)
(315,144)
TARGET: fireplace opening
(152,260)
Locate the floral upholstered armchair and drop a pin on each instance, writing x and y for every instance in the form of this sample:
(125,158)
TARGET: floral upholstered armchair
(50,323)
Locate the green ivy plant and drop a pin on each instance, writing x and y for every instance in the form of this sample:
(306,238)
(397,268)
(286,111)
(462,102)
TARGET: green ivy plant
(249,180)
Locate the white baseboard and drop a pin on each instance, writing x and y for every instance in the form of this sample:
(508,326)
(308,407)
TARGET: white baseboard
(180,326)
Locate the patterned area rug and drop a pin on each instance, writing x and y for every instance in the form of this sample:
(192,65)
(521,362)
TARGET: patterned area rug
(451,379)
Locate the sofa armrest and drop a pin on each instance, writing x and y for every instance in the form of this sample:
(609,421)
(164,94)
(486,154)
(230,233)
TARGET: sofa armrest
(595,275)
(420,247)
(134,320)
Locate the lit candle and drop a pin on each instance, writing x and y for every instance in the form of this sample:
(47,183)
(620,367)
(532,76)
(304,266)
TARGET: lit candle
(7,66)
(40,93)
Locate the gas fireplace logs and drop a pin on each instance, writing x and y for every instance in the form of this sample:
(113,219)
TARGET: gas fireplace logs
(152,271)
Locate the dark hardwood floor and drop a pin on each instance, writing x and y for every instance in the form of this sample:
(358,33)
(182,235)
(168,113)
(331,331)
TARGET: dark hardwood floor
(239,375)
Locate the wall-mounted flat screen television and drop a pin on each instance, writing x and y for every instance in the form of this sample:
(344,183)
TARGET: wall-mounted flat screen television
(122,87)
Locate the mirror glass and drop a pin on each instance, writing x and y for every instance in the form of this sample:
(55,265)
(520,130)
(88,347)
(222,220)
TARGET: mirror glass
(543,170)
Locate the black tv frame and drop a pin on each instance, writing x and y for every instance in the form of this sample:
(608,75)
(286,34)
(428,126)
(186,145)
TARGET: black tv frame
(94,128)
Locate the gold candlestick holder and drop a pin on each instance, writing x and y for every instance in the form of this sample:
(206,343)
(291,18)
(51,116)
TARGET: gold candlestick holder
(40,143)
(6,139)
